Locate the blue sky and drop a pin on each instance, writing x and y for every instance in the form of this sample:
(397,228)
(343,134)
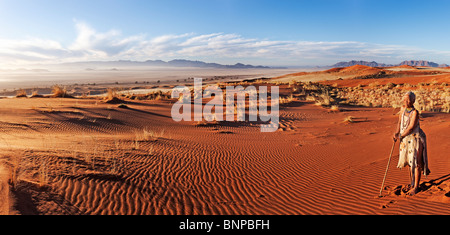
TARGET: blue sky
(264,32)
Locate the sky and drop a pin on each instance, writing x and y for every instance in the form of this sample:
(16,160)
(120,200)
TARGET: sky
(259,32)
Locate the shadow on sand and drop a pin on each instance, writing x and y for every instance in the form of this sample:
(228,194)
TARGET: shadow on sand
(424,186)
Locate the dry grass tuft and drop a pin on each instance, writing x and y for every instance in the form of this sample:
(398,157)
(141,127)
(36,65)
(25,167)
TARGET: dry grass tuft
(21,94)
(14,170)
(35,94)
(334,108)
(349,119)
(112,97)
(59,92)
(43,173)
(286,100)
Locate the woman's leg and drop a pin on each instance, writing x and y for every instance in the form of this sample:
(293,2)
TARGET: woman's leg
(417,171)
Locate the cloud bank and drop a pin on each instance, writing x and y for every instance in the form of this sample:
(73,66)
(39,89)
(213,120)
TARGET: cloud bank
(90,45)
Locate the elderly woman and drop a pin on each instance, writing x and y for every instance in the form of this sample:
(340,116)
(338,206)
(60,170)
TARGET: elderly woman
(413,144)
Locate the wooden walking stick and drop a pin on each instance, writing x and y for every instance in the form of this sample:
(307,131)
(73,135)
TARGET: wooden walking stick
(387,168)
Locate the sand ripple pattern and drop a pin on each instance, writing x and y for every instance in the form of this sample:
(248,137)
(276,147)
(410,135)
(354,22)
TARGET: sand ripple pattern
(307,167)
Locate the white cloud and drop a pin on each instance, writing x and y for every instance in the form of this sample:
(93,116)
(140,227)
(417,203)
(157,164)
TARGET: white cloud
(94,45)
(215,47)
(32,49)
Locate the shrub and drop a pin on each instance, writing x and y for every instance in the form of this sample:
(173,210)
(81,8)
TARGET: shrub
(334,108)
(21,93)
(59,92)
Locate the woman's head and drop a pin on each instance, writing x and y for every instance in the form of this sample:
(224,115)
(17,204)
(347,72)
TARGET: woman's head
(409,98)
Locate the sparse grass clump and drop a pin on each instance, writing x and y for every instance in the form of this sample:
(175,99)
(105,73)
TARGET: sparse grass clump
(286,100)
(334,108)
(112,97)
(21,93)
(323,99)
(25,167)
(43,173)
(349,119)
(59,92)
(35,94)
(147,135)
(14,170)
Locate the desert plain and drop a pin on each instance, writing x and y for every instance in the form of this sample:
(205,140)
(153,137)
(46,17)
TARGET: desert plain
(66,150)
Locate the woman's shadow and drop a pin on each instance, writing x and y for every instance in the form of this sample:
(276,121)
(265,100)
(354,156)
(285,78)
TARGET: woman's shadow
(435,182)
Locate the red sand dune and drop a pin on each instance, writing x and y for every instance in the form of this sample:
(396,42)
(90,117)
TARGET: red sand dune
(294,74)
(314,164)
(360,69)
(356,70)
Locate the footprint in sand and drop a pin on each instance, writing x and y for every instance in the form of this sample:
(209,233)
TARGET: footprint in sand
(390,203)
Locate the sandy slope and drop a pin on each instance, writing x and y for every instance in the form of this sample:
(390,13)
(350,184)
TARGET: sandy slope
(315,163)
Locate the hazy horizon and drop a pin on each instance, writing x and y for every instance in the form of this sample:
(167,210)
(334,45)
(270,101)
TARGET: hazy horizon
(34,78)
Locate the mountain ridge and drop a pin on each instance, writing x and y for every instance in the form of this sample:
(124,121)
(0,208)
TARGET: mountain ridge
(414,63)
(171,63)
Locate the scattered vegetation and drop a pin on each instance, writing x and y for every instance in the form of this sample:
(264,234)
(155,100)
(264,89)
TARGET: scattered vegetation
(321,95)
(430,97)
(87,157)
(155,95)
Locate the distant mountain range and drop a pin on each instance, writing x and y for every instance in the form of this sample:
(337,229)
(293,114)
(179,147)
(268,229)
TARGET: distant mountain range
(414,63)
(93,65)
(422,63)
(172,63)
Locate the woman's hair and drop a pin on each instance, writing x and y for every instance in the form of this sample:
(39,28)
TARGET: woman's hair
(412,96)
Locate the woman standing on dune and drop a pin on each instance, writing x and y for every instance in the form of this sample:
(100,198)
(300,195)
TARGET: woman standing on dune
(413,144)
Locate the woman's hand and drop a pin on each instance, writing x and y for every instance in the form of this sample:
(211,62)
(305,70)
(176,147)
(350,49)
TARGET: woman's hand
(395,137)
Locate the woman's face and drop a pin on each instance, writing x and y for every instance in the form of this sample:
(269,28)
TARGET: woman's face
(407,101)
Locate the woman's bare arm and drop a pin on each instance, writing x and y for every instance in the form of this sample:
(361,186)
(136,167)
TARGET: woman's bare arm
(397,131)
